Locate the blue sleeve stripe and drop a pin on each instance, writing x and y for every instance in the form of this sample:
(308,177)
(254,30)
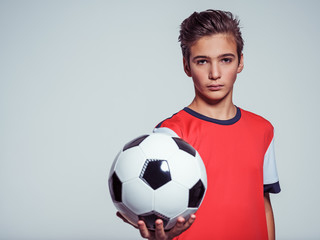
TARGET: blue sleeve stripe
(272,188)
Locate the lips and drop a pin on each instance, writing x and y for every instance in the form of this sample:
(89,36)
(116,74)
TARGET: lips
(215,87)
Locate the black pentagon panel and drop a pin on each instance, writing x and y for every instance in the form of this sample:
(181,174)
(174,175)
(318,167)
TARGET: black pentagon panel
(150,219)
(115,187)
(135,142)
(156,173)
(196,194)
(183,145)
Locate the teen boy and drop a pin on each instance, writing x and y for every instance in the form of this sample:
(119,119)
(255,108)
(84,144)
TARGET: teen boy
(236,145)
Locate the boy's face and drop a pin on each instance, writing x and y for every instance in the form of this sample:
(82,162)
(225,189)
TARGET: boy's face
(213,66)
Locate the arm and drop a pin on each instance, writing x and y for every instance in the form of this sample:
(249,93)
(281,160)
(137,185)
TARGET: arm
(269,216)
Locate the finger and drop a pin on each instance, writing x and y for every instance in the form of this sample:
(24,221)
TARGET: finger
(182,225)
(177,229)
(190,221)
(144,232)
(179,224)
(159,230)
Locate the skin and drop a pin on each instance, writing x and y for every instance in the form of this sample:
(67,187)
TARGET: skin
(213,66)
(159,233)
(269,216)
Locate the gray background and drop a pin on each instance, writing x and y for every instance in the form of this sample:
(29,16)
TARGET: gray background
(78,79)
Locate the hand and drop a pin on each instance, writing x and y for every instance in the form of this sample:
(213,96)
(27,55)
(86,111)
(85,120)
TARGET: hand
(126,220)
(159,233)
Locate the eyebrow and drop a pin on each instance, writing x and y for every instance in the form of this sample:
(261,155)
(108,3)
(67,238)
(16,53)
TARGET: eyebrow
(227,55)
(220,56)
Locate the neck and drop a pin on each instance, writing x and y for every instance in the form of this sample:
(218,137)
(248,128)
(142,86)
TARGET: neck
(220,110)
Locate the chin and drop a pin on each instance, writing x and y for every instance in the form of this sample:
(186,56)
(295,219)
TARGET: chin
(217,99)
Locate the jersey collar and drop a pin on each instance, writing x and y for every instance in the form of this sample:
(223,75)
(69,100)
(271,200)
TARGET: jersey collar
(231,121)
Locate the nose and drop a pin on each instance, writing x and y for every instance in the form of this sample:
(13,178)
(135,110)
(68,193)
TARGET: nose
(214,72)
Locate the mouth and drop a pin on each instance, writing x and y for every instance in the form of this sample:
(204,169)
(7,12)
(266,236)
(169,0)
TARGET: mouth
(215,87)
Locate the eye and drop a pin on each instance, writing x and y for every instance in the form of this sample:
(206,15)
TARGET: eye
(201,62)
(226,60)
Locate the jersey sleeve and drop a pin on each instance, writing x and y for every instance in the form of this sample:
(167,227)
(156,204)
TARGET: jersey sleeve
(171,126)
(270,173)
(165,130)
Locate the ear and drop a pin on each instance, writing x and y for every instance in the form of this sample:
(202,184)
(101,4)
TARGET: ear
(186,67)
(241,64)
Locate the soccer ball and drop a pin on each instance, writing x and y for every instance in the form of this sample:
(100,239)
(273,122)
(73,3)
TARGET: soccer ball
(157,176)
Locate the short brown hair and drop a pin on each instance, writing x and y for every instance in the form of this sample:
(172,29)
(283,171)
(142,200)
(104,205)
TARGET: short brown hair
(207,23)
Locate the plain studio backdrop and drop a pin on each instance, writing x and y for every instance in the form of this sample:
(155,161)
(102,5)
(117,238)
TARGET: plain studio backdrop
(79,79)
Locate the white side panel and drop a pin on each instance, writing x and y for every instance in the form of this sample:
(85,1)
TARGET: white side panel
(270,173)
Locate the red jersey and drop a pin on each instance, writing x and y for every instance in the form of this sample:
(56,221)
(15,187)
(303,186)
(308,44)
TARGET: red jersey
(240,164)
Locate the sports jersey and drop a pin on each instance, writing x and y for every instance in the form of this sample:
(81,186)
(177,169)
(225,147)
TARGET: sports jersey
(239,157)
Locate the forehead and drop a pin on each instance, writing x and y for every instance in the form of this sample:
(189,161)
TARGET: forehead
(214,45)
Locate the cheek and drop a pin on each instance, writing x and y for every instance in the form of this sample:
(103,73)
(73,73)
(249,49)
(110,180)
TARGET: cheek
(198,79)
(196,82)
(232,75)
(200,74)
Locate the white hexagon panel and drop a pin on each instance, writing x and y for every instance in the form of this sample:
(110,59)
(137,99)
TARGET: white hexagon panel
(138,196)
(171,199)
(165,146)
(129,164)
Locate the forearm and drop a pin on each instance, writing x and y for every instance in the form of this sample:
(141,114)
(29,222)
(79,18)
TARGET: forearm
(269,217)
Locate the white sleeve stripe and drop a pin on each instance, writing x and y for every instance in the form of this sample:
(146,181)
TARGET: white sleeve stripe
(270,173)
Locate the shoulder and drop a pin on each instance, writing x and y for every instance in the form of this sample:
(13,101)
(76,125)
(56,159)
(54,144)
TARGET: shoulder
(175,118)
(258,128)
(176,122)
(255,119)
(258,125)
